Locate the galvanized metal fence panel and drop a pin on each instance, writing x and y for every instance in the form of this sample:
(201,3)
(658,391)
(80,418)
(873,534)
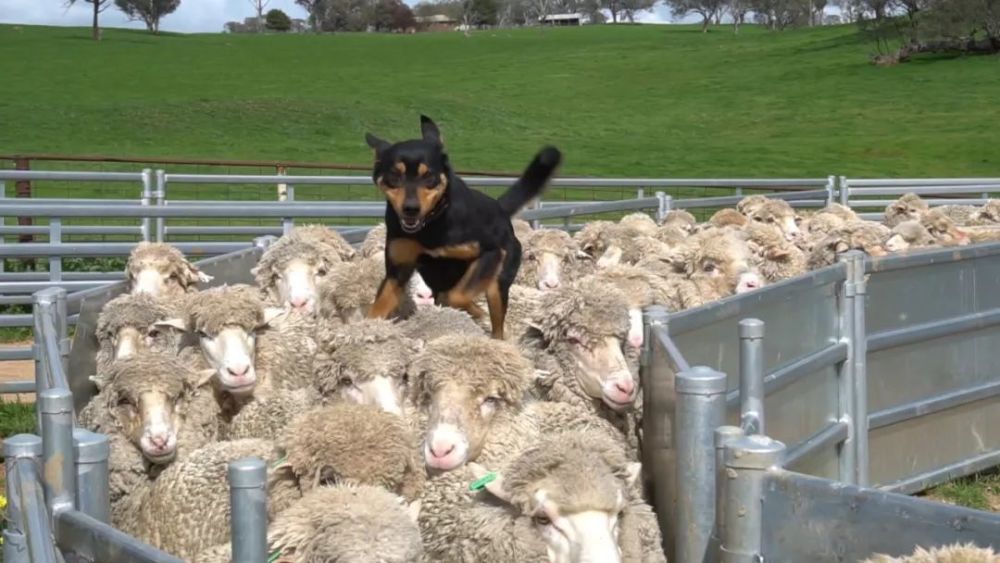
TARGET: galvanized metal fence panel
(801,352)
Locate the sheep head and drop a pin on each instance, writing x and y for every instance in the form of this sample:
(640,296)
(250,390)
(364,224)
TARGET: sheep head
(292,268)
(728,218)
(131,323)
(779,215)
(592,238)
(572,496)
(680,219)
(908,207)
(466,383)
(721,260)
(750,204)
(943,229)
(144,395)
(366,363)
(988,213)
(227,320)
(548,255)
(908,234)
(640,222)
(159,269)
(587,327)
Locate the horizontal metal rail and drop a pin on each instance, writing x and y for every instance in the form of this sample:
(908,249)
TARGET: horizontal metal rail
(903,182)
(831,435)
(69,201)
(920,258)
(934,329)
(68,276)
(7,321)
(17,387)
(927,190)
(797,369)
(860,203)
(33,286)
(924,407)
(236,210)
(16,353)
(28,175)
(588,209)
(94,540)
(73,249)
(72,230)
(943,474)
(733,200)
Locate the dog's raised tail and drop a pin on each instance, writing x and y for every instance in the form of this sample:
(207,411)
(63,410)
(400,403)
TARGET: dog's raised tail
(532,181)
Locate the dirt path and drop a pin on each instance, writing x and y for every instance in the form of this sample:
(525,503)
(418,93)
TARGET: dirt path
(17,370)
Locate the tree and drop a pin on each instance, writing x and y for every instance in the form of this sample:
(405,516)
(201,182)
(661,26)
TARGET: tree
(149,12)
(99,6)
(276,20)
(707,9)
(258,6)
(738,10)
(314,8)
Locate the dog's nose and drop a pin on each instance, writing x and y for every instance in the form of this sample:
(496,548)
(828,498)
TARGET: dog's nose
(411,209)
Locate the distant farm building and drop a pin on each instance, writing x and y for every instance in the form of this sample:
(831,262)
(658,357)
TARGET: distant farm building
(563,19)
(437,22)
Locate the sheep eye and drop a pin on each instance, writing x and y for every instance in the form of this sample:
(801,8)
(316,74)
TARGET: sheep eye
(172,276)
(405,380)
(346,381)
(770,219)
(321,272)
(758,219)
(124,401)
(491,401)
(541,520)
(153,333)
(574,340)
(204,335)
(709,267)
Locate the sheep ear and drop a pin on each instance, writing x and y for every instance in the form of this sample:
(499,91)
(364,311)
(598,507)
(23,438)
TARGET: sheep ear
(581,255)
(489,480)
(841,247)
(203,277)
(272,314)
(777,253)
(633,473)
(176,322)
(413,510)
(204,377)
(611,257)
(544,377)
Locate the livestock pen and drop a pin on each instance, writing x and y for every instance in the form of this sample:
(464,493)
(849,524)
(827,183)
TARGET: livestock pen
(784,424)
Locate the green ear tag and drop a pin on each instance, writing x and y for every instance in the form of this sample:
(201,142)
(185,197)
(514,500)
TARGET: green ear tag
(278,462)
(274,556)
(482,481)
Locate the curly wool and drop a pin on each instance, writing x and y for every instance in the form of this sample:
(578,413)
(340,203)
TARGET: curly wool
(486,366)
(267,417)
(547,241)
(187,508)
(352,444)
(323,235)
(236,305)
(954,553)
(866,236)
(139,312)
(429,323)
(374,243)
(597,310)
(750,204)
(640,222)
(350,291)
(522,303)
(774,256)
(680,219)
(640,287)
(908,206)
(167,260)
(728,218)
(291,247)
(346,524)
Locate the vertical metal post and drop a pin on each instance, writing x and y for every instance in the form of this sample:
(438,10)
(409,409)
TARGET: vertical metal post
(860,359)
(845,192)
(752,376)
(640,193)
(656,446)
(55,237)
(661,206)
(248,501)
(748,460)
(831,189)
(161,199)
(3,240)
(15,541)
(701,408)
(286,193)
(146,200)
(846,407)
(91,458)
(56,406)
(49,302)
(723,436)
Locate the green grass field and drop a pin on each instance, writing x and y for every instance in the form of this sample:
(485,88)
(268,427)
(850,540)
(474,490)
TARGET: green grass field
(662,101)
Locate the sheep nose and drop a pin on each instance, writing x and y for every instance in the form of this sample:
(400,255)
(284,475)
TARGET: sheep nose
(298,302)
(238,370)
(635,340)
(550,283)
(626,386)
(425,294)
(441,450)
(158,440)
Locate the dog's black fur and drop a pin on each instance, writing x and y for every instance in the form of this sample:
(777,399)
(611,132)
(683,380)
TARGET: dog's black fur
(460,240)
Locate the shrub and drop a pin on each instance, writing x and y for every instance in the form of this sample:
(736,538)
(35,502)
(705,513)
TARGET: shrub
(276,20)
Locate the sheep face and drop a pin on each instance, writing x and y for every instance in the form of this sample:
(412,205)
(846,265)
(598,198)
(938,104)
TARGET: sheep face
(548,254)
(943,229)
(230,352)
(988,213)
(603,371)
(296,283)
(681,220)
(465,383)
(907,208)
(368,371)
(159,269)
(162,336)
(778,215)
(422,294)
(721,262)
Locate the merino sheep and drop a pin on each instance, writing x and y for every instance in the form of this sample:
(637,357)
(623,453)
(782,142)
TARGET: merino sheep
(773,255)
(640,222)
(779,215)
(908,207)
(549,258)
(350,292)
(366,363)
(942,227)
(521,305)
(641,289)
(291,269)
(954,553)
(857,235)
(838,210)
(321,234)
(348,444)
(750,204)
(161,270)
(153,400)
(374,245)
(610,243)
(728,218)
(579,341)
(718,263)
(429,323)
(262,415)
(522,229)
(574,482)
(238,340)
(137,323)
(186,510)
(680,219)
(909,234)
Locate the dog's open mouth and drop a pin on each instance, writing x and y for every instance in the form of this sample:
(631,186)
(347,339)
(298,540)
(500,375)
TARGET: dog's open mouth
(411,225)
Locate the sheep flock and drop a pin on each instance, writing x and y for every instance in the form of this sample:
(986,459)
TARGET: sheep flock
(419,437)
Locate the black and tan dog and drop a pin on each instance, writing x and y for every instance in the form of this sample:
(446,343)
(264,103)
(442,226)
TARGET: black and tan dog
(460,240)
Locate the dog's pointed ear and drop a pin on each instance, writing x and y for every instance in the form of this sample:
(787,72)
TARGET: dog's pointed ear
(429,130)
(376,144)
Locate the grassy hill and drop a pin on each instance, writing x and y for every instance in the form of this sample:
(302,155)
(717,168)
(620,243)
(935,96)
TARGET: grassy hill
(620,100)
